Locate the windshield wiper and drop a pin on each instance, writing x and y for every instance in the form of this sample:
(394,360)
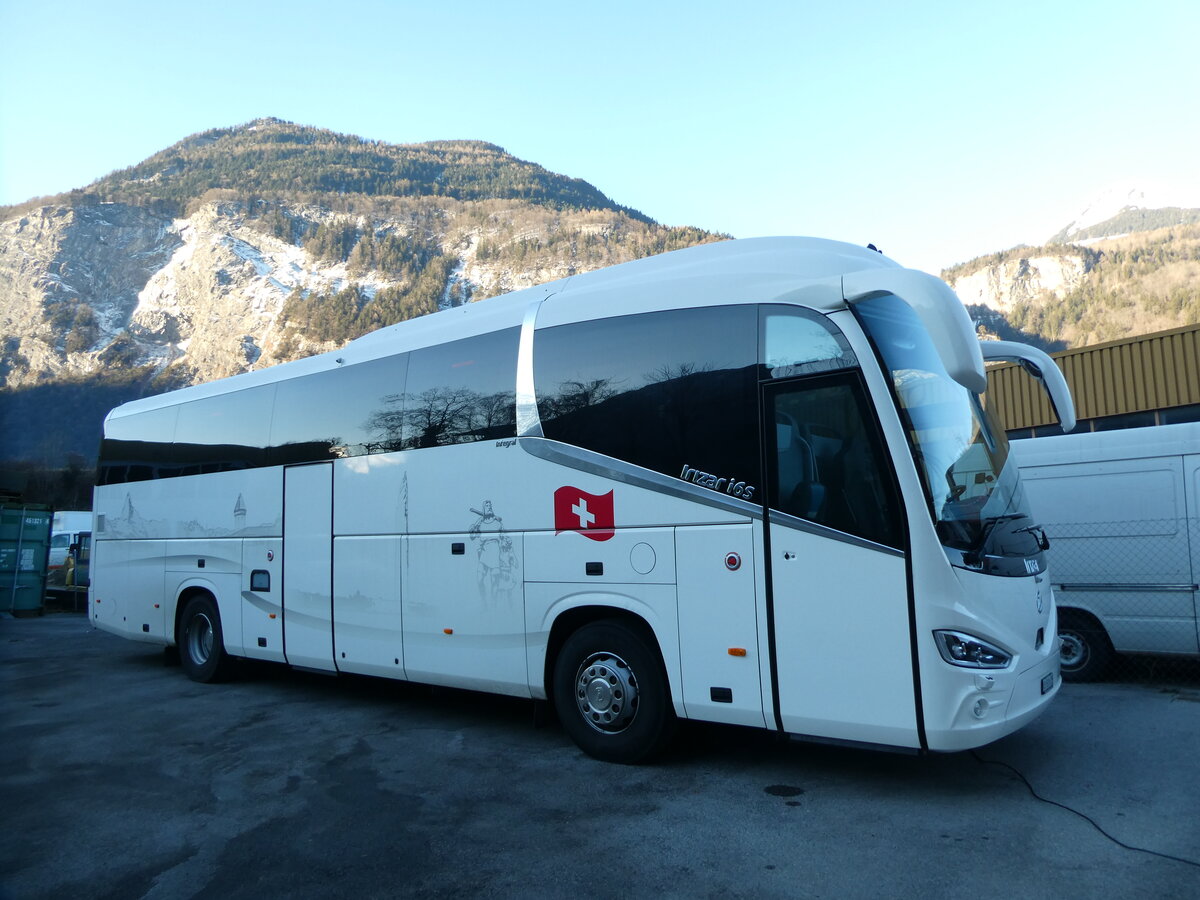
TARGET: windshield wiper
(1039,534)
(974,556)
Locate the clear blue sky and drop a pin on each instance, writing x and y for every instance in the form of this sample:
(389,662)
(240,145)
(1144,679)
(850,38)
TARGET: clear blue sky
(939,131)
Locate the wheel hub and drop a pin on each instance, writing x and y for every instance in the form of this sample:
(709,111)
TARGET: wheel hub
(606,692)
(200,639)
(1074,652)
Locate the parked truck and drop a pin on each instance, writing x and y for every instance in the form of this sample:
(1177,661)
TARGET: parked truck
(65,531)
(1122,510)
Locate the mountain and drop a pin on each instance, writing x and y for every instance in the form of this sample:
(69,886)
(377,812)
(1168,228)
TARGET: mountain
(243,247)
(1116,270)
(1127,209)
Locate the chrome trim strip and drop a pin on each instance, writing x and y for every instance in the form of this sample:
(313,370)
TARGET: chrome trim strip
(634,476)
(1129,588)
(528,422)
(782,518)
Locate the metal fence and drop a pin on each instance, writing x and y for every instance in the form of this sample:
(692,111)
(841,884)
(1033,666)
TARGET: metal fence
(1127,597)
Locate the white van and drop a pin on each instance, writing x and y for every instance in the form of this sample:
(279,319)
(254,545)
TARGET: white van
(1122,510)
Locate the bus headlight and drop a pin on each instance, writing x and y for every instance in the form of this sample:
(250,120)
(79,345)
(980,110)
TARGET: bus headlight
(960,649)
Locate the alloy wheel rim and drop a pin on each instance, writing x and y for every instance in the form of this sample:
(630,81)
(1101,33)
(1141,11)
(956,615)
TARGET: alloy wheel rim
(606,693)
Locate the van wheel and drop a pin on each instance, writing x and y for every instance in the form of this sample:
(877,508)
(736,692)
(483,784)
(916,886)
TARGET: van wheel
(201,641)
(610,692)
(1086,651)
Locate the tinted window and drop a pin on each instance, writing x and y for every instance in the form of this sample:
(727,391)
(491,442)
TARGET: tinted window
(798,342)
(228,431)
(137,447)
(462,391)
(349,411)
(670,391)
(829,465)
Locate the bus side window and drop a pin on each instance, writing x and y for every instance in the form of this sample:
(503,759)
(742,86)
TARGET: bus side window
(829,464)
(671,391)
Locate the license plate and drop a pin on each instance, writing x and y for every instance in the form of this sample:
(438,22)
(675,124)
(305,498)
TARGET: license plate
(1047,682)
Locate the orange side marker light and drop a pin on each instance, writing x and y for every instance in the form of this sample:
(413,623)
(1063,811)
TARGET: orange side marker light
(448,631)
(737,651)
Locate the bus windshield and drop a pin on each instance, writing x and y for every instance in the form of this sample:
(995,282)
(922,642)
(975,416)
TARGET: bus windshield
(975,497)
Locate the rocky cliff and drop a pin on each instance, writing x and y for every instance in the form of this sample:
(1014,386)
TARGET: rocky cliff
(1001,285)
(89,287)
(248,246)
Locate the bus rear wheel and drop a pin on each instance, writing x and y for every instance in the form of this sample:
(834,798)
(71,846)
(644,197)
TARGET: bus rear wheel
(610,692)
(201,641)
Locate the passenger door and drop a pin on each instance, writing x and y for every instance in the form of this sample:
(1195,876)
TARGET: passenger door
(837,575)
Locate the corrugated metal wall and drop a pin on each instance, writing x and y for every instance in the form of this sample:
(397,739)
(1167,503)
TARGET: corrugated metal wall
(1150,372)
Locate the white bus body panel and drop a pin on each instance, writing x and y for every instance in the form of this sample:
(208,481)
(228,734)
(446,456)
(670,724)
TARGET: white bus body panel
(463,613)
(214,566)
(841,625)
(719,612)
(127,588)
(246,503)
(262,613)
(308,566)
(367,616)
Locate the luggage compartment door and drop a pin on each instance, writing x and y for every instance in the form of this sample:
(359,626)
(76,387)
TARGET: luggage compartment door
(308,566)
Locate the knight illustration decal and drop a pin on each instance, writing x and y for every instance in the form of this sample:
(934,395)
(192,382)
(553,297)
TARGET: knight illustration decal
(499,570)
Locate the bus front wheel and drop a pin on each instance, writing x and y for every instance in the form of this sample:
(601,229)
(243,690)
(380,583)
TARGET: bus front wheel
(201,642)
(610,692)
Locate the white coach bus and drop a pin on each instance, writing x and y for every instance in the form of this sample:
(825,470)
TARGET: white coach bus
(750,482)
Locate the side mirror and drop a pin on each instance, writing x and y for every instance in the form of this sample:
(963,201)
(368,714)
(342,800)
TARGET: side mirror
(1038,364)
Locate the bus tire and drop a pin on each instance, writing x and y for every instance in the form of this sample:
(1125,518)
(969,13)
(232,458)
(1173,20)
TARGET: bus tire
(611,695)
(201,641)
(1086,651)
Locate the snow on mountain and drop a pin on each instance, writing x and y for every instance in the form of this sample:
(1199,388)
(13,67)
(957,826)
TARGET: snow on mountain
(1109,204)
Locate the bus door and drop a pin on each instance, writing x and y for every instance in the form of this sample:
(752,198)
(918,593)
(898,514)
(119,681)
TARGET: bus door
(308,565)
(837,571)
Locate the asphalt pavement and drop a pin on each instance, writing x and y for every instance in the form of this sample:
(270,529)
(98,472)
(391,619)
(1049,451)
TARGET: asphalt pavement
(121,778)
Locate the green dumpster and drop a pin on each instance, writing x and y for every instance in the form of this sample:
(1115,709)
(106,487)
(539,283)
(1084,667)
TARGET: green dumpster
(24,553)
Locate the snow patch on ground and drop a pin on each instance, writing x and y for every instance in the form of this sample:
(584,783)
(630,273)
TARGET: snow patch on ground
(161,292)
(456,275)
(250,254)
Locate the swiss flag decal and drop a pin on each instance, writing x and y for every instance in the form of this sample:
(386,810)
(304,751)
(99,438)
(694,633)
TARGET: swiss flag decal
(589,514)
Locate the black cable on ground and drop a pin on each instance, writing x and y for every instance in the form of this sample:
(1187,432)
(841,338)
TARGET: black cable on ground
(1084,816)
